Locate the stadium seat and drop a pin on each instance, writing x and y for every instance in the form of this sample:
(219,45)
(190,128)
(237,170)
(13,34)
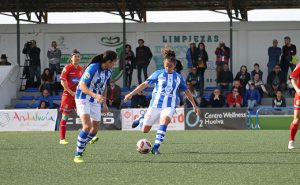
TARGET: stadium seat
(37,97)
(27,98)
(34,105)
(206,96)
(126,104)
(122,97)
(32,90)
(21,106)
(124,89)
(210,88)
(56,97)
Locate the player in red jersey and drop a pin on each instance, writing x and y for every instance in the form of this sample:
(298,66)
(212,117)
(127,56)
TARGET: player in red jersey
(69,80)
(295,79)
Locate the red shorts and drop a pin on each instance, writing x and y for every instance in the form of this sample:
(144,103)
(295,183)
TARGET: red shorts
(297,102)
(67,103)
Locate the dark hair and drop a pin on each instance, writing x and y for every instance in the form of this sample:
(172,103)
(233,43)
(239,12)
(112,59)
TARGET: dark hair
(102,58)
(48,77)
(244,67)
(128,46)
(256,64)
(169,54)
(74,52)
(202,44)
(141,40)
(46,104)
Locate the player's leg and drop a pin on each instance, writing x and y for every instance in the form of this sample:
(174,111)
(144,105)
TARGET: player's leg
(165,120)
(67,105)
(294,128)
(95,119)
(151,116)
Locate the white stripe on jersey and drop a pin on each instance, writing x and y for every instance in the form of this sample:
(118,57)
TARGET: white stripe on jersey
(168,89)
(157,95)
(173,104)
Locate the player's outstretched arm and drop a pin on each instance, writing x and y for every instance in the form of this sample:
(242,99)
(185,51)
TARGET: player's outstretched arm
(138,89)
(191,99)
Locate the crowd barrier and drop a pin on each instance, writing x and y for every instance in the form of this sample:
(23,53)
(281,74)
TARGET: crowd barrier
(183,119)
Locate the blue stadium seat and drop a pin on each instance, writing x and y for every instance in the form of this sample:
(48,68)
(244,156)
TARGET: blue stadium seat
(124,89)
(206,96)
(210,88)
(34,105)
(21,106)
(122,97)
(37,97)
(126,104)
(27,98)
(56,97)
(32,90)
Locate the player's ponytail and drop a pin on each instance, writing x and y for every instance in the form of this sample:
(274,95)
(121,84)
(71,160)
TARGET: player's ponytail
(102,58)
(169,54)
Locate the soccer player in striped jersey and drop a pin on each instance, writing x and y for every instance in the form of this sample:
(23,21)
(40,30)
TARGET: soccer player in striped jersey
(90,94)
(70,77)
(295,79)
(164,97)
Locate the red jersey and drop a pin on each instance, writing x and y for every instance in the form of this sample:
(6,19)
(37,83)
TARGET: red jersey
(71,75)
(296,74)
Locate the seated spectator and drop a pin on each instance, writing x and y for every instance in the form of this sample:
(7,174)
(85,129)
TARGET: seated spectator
(193,78)
(290,88)
(278,100)
(257,70)
(43,105)
(259,85)
(113,95)
(48,99)
(3,61)
(243,76)
(217,99)
(276,81)
(253,97)
(234,99)
(139,101)
(178,66)
(47,81)
(225,79)
(237,85)
(195,94)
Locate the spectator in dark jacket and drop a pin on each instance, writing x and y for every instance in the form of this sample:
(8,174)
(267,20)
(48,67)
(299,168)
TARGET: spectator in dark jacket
(47,81)
(143,58)
(225,79)
(278,100)
(193,78)
(217,99)
(191,55)
(139,101)
(3,60)
(222,57)
(274,53)
(253,97)
(276,81)
(178,66)
(289,51)
(243,76)
(201,64)
(129,65)
(256,70)
(113,95)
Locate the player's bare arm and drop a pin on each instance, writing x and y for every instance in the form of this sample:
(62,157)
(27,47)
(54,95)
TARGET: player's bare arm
(138,89)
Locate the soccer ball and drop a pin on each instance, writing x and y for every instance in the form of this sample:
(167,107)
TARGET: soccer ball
(143,146)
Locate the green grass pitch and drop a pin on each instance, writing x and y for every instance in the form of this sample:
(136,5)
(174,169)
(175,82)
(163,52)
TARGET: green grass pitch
(188,157)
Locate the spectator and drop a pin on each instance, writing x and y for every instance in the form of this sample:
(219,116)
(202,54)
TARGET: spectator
(257,70)
(33,52)
(234,99)
(191,55)
(46,98)
(143,58)
(276,81)
(54,55)
(223,56)
(288,52)
(178,66)
(259,85)
(201,66)
(243,76)
(290,87)
(274,53)
(139,101)
(193,78)
(253,97)
(225,79)
(47,81)
(3,61)
(43,105)
(278,100)
(217,99)
(129,65)
(195,94)
(237,85)
(113,95)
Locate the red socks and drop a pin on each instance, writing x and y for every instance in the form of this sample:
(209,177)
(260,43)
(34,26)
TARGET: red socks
(62,129)
(293,131)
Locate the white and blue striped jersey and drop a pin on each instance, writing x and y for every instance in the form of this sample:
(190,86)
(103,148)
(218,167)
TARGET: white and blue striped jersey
(95,79)
(165,92)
